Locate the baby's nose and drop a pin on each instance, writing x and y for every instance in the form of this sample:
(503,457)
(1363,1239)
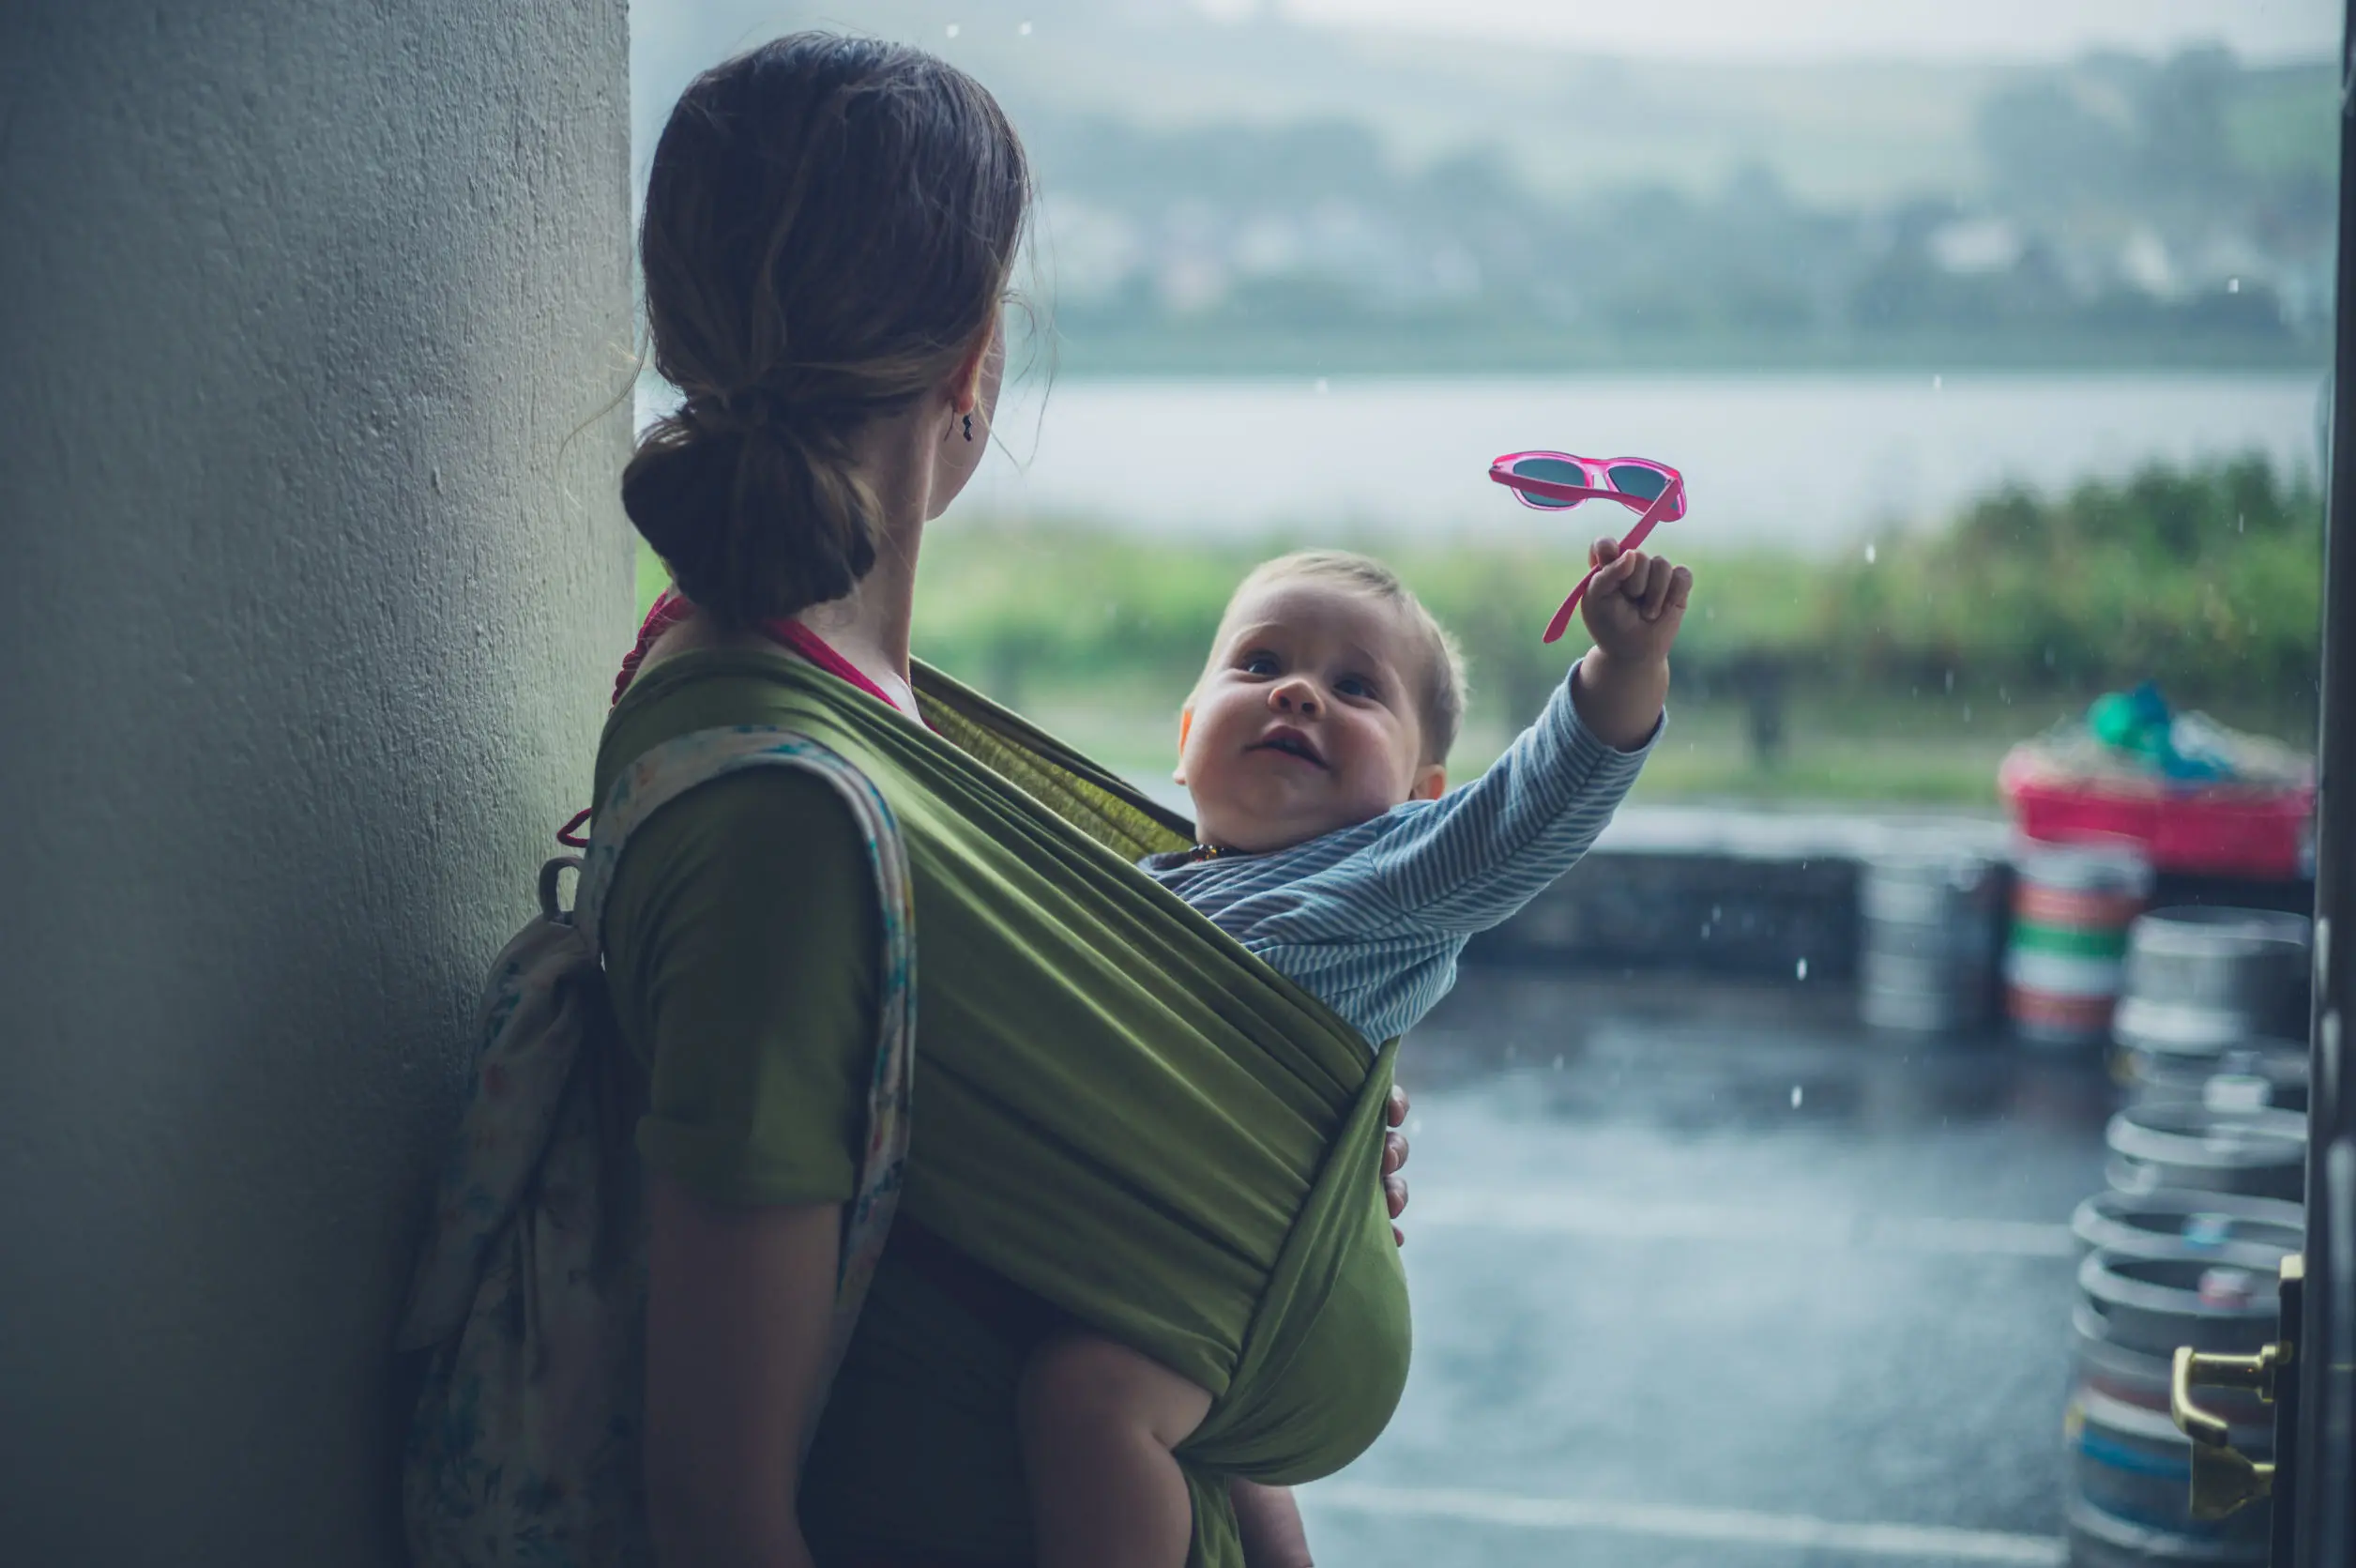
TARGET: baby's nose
(1294,696)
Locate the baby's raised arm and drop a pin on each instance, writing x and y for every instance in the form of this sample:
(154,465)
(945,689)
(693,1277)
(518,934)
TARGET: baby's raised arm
(1475,856)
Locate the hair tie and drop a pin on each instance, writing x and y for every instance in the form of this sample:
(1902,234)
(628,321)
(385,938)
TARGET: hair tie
(738,412)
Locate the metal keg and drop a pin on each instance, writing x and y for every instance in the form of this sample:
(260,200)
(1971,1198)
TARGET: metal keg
(2221,1227)
(2258,1074)
(2126,1493)
(2200,980)
(2185,1145)
(2130,1470)
(1928,931)
(2071,906)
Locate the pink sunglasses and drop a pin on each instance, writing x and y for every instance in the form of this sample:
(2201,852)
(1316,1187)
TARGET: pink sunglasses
(1557,481)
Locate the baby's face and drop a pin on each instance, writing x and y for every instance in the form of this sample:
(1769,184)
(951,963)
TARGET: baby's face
(1307,719)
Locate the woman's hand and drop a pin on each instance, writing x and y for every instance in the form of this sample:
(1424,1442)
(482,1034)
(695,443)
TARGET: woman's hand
(1633,610)
(1395,1156)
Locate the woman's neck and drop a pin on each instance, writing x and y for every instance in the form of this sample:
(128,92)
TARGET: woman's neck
(870,625)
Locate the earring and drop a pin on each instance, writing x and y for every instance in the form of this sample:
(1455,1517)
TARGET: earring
(969,427)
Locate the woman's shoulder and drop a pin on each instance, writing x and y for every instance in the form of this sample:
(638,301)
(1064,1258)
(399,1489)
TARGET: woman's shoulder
(710,688)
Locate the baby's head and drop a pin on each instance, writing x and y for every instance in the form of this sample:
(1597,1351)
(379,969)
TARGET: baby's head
(1330,696)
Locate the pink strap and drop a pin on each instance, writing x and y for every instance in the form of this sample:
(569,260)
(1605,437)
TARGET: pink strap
(667,612)
(794,635)
(669,609)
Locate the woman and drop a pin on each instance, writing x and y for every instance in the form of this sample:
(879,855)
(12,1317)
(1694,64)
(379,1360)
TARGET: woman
(1121,1125)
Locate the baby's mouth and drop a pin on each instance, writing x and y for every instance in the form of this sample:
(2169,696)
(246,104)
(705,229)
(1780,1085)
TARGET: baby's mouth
(1289,741)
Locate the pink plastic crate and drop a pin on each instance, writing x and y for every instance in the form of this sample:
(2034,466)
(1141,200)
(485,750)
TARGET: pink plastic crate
(2220,831)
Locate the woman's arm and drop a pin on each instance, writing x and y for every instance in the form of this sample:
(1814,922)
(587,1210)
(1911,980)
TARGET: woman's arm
(740,1301)
(1269,1522)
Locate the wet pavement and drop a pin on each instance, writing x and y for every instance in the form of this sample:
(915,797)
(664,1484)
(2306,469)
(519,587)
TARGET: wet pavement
(1708,1275)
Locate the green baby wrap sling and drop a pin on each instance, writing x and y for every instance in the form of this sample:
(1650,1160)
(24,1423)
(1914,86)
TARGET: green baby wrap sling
(1133,1118)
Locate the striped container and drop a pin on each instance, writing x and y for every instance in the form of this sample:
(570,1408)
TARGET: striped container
(2072,906)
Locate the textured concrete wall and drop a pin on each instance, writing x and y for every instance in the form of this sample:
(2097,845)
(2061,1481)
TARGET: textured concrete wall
(314,580)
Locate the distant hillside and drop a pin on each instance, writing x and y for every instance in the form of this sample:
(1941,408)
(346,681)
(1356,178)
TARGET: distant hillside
(1265,196)
(1568,123)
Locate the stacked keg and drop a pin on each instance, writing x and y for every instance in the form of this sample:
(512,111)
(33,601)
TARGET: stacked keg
(1927,959)
(2072,906)
(2207,1163)
(2205,985)
(2212,1285)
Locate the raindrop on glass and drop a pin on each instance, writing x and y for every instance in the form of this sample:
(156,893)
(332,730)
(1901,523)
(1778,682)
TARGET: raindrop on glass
(1803,970)
(952,29)
(1323,387)
(1869,552)
(1795,1097)
(2233,285)
(1938,382)
(1025,29)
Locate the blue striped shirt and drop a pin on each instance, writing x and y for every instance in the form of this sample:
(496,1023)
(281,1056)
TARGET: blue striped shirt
(1370,918)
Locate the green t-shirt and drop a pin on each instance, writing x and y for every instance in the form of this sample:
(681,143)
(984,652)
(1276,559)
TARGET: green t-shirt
(1116,1108)
(741,938)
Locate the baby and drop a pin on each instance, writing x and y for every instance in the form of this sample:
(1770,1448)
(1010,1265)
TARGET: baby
(1316,748)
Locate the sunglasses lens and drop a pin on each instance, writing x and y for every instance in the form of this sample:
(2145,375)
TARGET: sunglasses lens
(1554,471)
(1643,484)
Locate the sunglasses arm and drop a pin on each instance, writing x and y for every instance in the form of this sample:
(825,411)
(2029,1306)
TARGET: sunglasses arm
(1663,505)
(1552,491)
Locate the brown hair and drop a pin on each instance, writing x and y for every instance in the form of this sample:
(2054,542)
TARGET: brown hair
(830,227)
(1440,704)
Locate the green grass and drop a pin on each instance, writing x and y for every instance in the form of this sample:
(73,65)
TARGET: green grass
(653,577)
(1906,676)
(1834,752)
(1881,750)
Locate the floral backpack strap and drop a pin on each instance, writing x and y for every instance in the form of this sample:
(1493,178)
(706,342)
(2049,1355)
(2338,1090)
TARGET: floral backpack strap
(676,766)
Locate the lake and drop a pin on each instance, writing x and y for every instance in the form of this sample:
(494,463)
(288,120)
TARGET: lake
(1815,462)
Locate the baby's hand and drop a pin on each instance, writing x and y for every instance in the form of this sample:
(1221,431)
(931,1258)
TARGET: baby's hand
(1635,604)
(1633,608)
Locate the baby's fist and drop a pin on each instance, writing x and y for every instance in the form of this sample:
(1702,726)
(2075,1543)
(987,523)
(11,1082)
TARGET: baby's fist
(1635,604)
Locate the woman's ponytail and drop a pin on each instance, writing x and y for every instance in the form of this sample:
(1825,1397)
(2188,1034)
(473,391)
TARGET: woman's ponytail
(830,226)
(756,518)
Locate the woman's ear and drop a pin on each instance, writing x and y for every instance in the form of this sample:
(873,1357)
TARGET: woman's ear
(965,382)
(1431,782)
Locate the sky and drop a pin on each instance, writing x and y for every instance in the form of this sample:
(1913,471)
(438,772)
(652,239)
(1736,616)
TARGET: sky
(1822,29)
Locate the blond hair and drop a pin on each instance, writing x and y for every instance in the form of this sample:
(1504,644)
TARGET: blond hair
(1441,701)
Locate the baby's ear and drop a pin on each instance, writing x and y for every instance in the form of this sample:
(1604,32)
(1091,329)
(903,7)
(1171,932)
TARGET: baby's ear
(1431,782)
(1186,727)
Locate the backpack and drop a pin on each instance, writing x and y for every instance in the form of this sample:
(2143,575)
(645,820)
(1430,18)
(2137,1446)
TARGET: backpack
(528,1306)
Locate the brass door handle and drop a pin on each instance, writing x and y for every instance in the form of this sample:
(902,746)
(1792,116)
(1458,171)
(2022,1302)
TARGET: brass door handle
(2224,1478)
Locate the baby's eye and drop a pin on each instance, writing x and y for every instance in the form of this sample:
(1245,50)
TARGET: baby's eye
(1258,664)
(1355,686)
